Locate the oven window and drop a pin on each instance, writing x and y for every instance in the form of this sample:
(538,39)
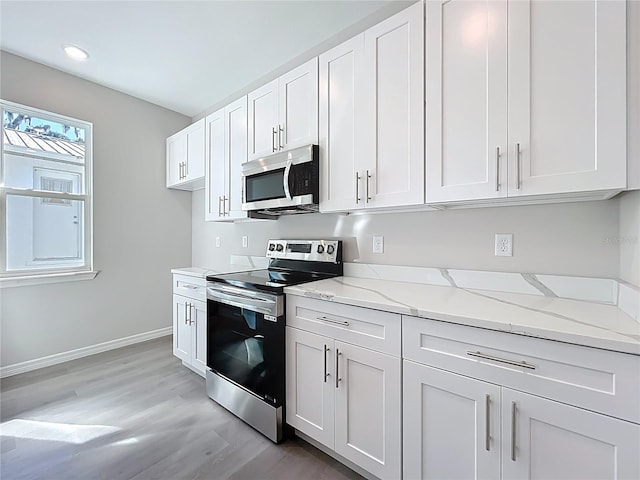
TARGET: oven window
(247,349)
(265,186)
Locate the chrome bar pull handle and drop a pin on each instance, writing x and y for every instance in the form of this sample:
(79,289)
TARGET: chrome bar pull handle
(513,431)
(331,320)
(368,178)
(219,206)
(186,318)
(484,356)
(518,166)
(337,365)
(487,424)
(325,364)
(225,210)
(280,137)
(273,139)
(497,169)
(357,187)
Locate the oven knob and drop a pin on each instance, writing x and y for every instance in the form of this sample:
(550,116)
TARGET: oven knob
(330,249)
(320,248)
(272,247)
(279,247)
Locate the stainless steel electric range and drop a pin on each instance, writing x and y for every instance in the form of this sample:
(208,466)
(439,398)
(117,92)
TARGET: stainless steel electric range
(246,329)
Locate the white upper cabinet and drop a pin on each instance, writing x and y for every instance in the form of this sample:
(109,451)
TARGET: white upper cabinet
(567,96)
(466,100)
(283,114)
(185,157)
(392,169)
(216,167)
(226,152)
(557,127)
(341,119)
(298,106)
(263,120)
(371,117)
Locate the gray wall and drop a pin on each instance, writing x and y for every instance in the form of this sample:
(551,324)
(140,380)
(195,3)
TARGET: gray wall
(141,229)
(566,239)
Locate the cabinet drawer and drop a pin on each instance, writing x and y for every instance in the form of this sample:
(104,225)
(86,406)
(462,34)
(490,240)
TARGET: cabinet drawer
(368,328)
(598,380)
(192,287)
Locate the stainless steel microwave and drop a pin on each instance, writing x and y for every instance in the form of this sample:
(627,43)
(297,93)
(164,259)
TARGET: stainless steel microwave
(282,184)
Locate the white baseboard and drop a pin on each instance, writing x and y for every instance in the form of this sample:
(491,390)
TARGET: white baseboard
(62,357)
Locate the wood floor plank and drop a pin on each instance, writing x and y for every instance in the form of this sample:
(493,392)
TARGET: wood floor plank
(137,413)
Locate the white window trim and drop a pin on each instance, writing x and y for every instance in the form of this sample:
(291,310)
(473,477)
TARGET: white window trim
(26,277)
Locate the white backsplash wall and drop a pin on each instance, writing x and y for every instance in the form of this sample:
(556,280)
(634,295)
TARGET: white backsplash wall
(629,237)
(569,239)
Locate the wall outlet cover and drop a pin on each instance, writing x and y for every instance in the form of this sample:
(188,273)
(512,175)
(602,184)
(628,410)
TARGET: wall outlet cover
(504,245)
(245,241)
(217,242)
(378,244)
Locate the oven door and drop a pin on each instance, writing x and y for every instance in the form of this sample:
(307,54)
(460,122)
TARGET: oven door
(245,339)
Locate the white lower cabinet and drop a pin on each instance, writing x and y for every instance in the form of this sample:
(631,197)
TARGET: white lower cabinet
(543,439)
(190,322)
(451,425)
(344,396)
(455,426)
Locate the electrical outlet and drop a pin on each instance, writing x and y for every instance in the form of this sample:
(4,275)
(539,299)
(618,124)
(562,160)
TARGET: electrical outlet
(217,242)
(378,244)
(245,241)
(504,245)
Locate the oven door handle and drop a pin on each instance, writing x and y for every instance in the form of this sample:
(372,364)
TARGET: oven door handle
(285,179)
(259,305)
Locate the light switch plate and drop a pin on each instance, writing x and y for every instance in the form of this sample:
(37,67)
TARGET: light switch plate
(217,242)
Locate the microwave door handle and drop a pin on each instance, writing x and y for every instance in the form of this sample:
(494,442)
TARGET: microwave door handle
(285,179)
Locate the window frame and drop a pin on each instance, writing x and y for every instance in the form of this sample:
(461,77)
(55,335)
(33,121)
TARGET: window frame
(33,276)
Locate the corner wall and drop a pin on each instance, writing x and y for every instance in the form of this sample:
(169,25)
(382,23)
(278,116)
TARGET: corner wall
(141,229)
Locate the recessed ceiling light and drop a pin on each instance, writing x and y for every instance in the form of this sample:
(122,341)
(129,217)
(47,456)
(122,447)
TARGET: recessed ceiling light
(75,52)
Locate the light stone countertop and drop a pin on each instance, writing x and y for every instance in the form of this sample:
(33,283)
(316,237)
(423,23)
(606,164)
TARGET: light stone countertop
(572,321)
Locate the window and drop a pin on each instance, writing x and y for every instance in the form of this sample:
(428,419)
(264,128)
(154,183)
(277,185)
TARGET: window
(45,195)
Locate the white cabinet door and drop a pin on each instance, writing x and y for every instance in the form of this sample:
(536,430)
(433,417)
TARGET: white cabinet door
(543,439)
(235,155)
(263,120)
(195,150)
(368,409)
(310,384)
(466,108)
(341,125)
(216,171)
(451,425)
(181,329)
(198,323)
(176,156)
(298,106)
(392,169)
(567,96)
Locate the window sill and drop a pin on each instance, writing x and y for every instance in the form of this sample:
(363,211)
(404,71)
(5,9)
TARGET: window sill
(29,280)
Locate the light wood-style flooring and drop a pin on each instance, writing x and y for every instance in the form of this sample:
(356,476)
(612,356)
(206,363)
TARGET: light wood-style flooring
(137,413)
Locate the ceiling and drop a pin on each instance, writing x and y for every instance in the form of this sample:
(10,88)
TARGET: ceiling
(183,55)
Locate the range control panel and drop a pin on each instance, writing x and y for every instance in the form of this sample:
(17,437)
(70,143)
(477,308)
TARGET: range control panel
(308,250)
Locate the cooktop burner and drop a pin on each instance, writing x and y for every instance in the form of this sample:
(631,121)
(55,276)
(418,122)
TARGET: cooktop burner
(268,280)
(291,262)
